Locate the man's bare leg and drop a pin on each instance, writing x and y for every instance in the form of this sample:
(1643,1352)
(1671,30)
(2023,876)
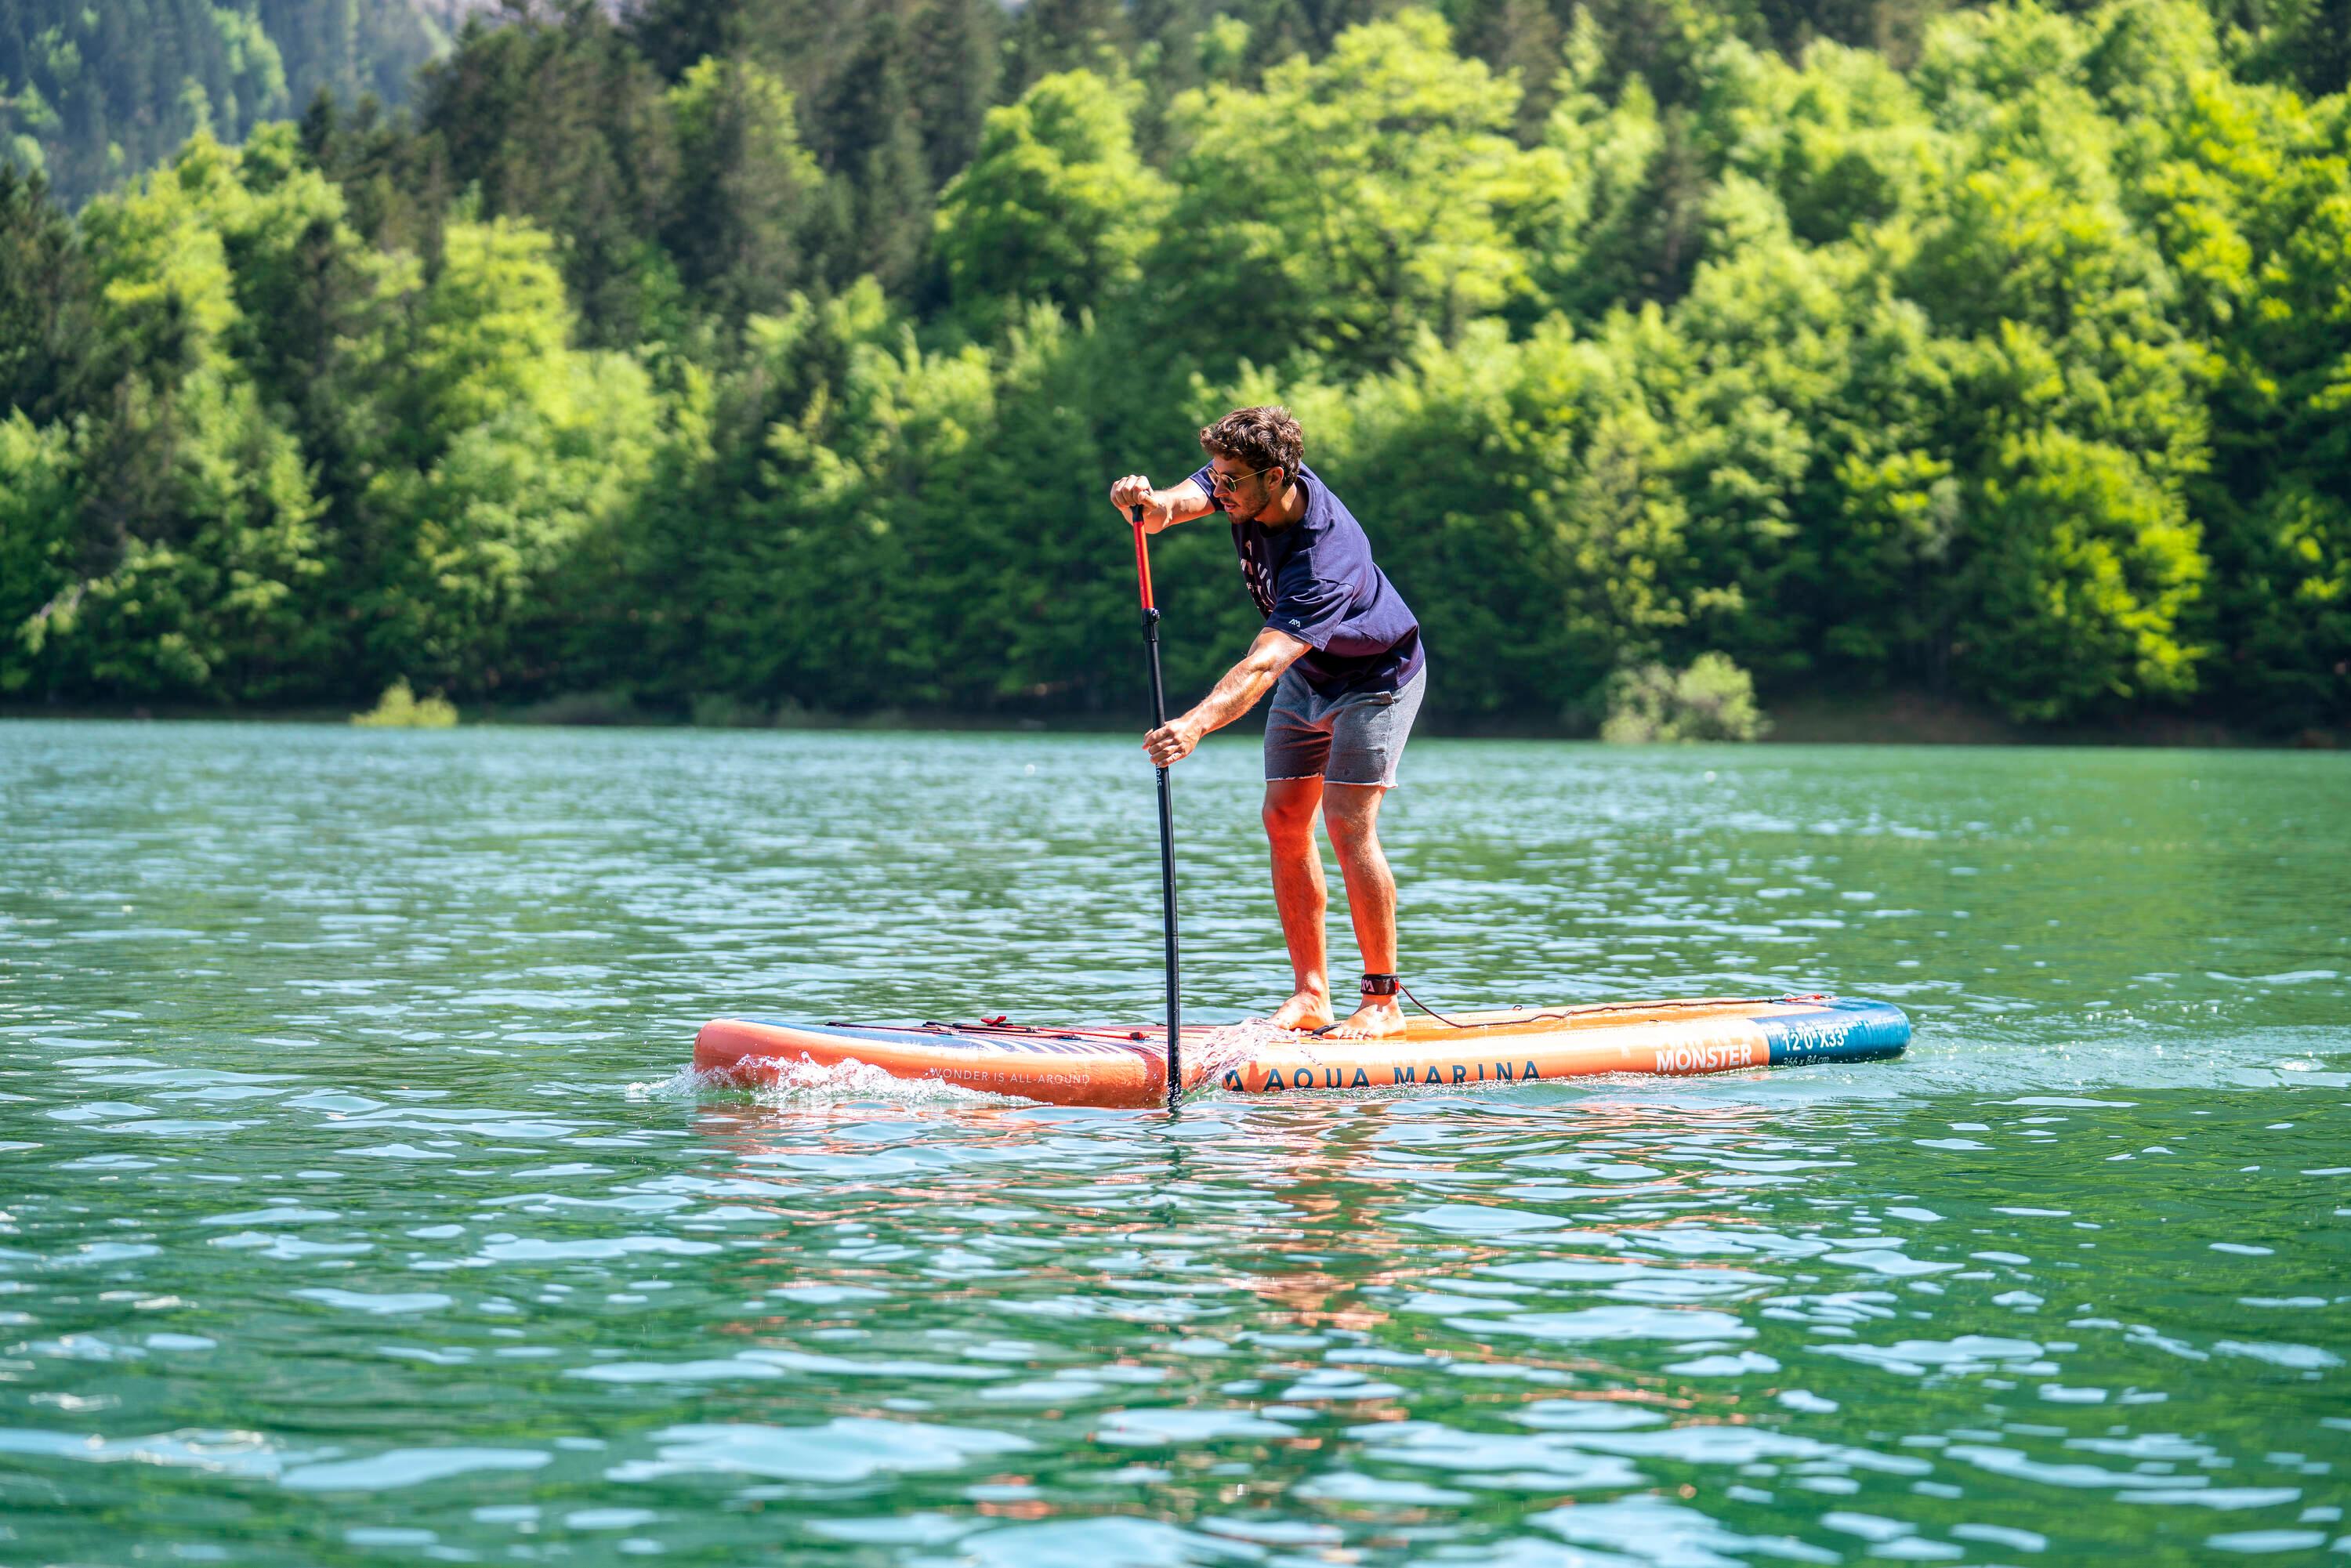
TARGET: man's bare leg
(1351,812)
(1303,897)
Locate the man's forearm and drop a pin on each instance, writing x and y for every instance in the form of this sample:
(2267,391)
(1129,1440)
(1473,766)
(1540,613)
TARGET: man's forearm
(1183,502)
(1261,668)
(1234,695)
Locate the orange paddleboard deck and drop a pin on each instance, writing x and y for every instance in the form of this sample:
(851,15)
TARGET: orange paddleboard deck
(1129,1066)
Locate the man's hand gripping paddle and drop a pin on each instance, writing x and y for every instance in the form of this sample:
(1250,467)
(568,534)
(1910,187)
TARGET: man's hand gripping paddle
(1166,814)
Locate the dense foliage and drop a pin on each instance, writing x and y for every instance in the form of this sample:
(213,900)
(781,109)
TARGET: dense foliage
(781,354)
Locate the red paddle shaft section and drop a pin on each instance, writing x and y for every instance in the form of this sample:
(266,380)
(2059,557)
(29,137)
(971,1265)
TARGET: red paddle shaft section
(1142,557)
(1172,1077)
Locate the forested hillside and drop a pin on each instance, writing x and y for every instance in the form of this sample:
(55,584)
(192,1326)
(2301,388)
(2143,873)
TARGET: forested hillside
(767,355)
(93,91)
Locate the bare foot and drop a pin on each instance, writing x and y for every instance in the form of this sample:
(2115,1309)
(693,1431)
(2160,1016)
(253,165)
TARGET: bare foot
(1378,1019)
(1307,1010)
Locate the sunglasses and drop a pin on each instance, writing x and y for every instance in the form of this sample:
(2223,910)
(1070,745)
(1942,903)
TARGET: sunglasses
(1230,483)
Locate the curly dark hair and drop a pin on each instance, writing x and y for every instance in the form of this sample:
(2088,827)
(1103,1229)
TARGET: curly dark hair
(1265,437)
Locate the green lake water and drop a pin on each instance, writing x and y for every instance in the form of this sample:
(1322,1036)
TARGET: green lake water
(356,1206)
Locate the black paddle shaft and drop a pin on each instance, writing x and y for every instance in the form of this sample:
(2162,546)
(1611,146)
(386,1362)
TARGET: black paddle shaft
(1167,823)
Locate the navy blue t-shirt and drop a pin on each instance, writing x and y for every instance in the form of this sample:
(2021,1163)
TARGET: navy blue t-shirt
(1315,579)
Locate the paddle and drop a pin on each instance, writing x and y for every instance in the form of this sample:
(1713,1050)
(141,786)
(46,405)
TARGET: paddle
(1166,815)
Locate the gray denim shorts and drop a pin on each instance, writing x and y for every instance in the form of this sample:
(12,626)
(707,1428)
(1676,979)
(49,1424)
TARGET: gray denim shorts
(1357,738)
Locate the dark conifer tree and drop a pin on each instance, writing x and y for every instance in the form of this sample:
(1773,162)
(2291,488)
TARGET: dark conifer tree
(1280,28)
(15,56)
(394,179)
(864,126)
(673,34)
(1526,36)
(1168,39)
(2314,49)
(1049,35)
(746,197)
(45,323)
(953,54)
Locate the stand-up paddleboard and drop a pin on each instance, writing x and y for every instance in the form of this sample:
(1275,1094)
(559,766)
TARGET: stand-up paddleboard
(1128,1066)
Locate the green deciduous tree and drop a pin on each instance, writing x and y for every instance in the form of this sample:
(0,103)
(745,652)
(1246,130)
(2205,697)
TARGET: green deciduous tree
(2085,567)
(195,546)
(1055,207)
(1353,202)
(38,484)
(508,447)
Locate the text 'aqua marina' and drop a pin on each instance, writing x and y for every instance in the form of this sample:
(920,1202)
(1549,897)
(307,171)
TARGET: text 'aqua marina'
(1340,1077)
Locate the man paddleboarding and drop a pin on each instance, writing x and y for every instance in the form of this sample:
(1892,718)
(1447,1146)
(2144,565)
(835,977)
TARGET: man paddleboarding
(1341,653)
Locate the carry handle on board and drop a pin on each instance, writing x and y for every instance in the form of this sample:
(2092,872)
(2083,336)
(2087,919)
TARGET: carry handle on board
(1166,814)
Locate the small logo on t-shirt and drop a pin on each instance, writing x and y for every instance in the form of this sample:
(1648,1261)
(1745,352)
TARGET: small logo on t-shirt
(1295,622)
